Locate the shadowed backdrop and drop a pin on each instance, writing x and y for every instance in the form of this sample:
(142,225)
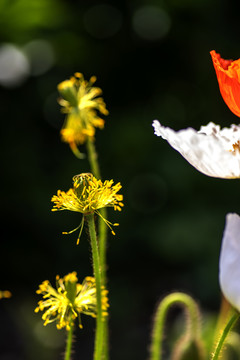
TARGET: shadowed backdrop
(152,61)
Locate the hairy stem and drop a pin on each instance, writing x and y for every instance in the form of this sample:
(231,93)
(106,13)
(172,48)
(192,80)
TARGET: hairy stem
(160,318)
(68,350)
(223,335)
(99,337)
(93,160)
(102,234)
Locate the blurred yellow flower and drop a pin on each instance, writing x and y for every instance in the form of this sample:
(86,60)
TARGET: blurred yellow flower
(81,101)
(65,303)
(87,196)
(5,294)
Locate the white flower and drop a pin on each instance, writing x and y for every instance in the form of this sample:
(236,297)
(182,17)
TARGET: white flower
(212,151)
(229,267)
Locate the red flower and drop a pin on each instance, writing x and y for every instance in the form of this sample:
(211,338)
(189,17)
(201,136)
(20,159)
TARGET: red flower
(228,75)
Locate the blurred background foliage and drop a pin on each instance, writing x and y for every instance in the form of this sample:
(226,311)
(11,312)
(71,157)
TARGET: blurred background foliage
(151,59)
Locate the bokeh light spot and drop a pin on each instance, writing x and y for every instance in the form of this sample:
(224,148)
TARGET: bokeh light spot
(14,66)
(103,21)
(151,23)
(41,56)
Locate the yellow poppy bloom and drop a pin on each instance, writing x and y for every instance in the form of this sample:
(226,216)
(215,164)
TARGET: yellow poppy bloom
(69,300)
(88,195)
(81,102)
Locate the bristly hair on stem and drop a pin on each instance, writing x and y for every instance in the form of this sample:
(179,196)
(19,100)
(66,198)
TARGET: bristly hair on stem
(69,342)
(192,332)
(224,332)
(99,337)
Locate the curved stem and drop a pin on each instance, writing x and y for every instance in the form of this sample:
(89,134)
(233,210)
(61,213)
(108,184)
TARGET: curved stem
(99,337)
(160,317)
(223,336)
(69,342)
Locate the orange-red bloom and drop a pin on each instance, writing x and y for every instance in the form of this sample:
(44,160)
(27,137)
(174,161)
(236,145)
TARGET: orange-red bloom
(228,75)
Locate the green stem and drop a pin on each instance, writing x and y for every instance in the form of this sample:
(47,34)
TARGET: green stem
(99,337)
(69,342)
(224,313)
(223,336)
(160,317)
(102,234)
(92,157)
(103,244)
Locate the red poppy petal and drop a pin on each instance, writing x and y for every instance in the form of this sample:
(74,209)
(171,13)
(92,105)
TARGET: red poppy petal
(228,81)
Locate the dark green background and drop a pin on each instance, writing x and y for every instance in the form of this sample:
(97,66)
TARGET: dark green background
(171,225)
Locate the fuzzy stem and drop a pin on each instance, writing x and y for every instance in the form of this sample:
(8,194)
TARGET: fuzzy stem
(103,244)
(224,313)
(99,337)
(160,317)
(223,335)
(69,342)
(102,234)
(92,156)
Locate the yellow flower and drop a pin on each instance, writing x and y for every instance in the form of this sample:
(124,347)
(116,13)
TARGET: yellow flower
(81,101)
(87,196)
(5,294)
(65,303)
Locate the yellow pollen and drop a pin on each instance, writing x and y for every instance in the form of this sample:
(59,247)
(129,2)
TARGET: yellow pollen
(58,305)
(88,195)
(236,146)
(82,104)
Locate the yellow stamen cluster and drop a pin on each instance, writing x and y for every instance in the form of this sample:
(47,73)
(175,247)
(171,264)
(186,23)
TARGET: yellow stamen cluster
(81,101)
(5,294)
(88,195)
(65,303)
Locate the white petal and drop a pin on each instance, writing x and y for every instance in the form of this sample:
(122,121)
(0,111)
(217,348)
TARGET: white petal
(229,267)
(210,150)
